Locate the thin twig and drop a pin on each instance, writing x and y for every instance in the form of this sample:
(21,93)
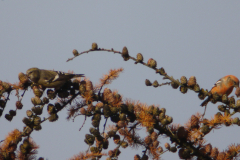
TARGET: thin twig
(167,83)
(104,125)
(83,123)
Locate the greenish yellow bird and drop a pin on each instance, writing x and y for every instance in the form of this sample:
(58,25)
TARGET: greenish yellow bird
(49,78)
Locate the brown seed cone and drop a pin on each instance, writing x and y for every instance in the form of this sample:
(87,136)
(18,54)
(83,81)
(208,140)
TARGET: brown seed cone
(161,116)
(222,155)
(235,120)
(154,136)
(167,146)
(45,100)
(216,96)
(26,121)
(37,110)
(125,53)
(192,81)
(182,133)
(173,149)
(214,153)
(169,119)
(137,157)
(148,83)
(75,52)
(161,71)
(124,144)
(12,113)
(174,85)
(196,88)
(51,108)
(6,86)
(183,89)
(152,63)
(232,100)
(208,148)
(2,103)
(155,84)
(224,98)
(53,117)
(194,121)
(82,87)
(122,116)
(183,80)
(37,91)
(26,131)
(95,123)
(139,57)
(107,94)
(29,113)
(148,140)
(37,128)
(111,133)
(36,101)
(105,144)
(19,105)
(89,86)
(160,149)
(94,46)
(22,78)
(205,129)
(37,121)
(63,94)
(122,132)
(51,94)
(121,124)
(201,95)
(184,153)
(221,108)
(155,144)
(116,139)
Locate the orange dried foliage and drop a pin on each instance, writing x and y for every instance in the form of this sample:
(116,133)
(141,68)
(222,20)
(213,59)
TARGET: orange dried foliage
(11,138)
(154,153)
(108,78)
(233,150)
(188,124)
(88,96)
(99,104)
(218,120)
(111,127)
(145,118)
(32,154)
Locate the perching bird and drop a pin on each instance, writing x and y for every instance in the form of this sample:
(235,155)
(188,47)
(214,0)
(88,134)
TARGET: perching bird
(223,86)
(49,78)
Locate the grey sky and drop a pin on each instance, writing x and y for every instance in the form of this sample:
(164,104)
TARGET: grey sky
(199,38)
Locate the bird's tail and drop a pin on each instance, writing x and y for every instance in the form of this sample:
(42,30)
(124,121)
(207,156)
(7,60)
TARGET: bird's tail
(204,103)
(78,75)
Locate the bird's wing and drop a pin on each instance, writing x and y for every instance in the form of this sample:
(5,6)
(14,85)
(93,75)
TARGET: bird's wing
(217,83)
(59,75)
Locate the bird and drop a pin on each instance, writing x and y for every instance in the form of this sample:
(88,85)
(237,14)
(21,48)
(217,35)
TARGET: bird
(223,86)
(50,78)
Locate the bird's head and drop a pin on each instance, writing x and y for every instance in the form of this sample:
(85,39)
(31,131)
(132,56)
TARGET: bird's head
(235,81)
(33,74)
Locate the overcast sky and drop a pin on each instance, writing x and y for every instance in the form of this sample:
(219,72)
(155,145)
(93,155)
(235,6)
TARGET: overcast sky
(190,38)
